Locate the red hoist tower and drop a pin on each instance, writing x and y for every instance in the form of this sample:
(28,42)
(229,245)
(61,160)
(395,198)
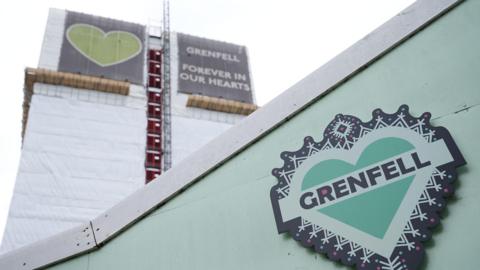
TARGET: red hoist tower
(158,148)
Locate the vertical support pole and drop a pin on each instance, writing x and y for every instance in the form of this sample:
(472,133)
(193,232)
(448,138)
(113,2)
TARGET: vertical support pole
(166,90)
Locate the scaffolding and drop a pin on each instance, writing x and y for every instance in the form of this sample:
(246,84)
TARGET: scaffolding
(166,90)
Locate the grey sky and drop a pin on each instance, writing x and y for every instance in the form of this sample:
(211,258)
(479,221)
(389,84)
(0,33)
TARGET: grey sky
(286,41)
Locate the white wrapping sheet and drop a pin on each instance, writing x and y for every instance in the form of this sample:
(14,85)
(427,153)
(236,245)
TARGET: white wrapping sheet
(83,151)
(189,135)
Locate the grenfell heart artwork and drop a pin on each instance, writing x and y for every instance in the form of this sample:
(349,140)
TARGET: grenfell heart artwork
(368,194)
(104,49)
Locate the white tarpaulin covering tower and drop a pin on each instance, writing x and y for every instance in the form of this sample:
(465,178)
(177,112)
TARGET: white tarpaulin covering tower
(93,110)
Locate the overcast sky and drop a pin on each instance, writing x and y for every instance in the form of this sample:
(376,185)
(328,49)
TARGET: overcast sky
(286,41)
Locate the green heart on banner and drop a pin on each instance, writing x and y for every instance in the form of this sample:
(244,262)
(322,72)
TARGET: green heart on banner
(104,49)
(364,212)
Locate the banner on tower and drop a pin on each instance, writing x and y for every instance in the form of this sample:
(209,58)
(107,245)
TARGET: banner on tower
(213,68)
(103,47)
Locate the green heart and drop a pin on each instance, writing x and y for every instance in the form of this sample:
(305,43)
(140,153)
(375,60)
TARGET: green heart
(364,212)
(104,49)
